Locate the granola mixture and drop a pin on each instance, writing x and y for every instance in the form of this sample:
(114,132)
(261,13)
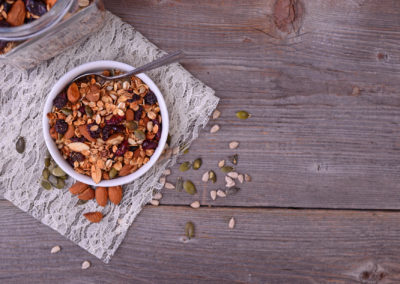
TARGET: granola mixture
(106,129)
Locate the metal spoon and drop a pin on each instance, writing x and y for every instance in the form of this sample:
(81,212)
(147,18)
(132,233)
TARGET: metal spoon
(167,59)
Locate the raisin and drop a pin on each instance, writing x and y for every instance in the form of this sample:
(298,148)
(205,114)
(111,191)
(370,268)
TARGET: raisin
(133,148)
(158,134)
(78,139)
(94,134)
(61,100)
(115,120)
(61,126)
(123,147)
(118,128)
(36,7)
(82,110)
(138,113)
(106,132)
(150,98)
(134,98)
(148,144)
(76,156)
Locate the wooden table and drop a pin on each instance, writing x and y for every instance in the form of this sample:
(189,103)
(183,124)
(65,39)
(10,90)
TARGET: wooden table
(322,145)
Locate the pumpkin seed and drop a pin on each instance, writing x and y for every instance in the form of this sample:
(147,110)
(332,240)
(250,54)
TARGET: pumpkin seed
(112,173)
(179,184)
(197,164)
(189,230)
(58,172)
(212,176)
(46,185)
(64,177)
(184,166)
(47,162)
(189,187)
(45,174)
(60,183)
(226,169)
(242,114)
(52,180)
(186,151)
(234,159)
(232,190)
(131,125)
(66,111)
(20,145)
(88,111)
(140,134)
(81,202)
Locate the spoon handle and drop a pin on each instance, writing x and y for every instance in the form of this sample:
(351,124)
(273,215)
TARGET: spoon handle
(167,59)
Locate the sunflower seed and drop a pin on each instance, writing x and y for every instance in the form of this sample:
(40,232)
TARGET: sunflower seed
(221,193)
(231,223)
(157,196)
(221,163)
(233,145)
(240,178)
(226,169)
(214,129)
(167,172)
(85,264)
(229,182)
(184,166)
(195,204)
(216,114)
(242,114)
(213,194)
(162,181)
(179,184)
(247,177)
(189,187)
(233,175)
(189,230)
(154,202)
(204,178)
(212,176)
(197,164)
(169,185)
(55,249)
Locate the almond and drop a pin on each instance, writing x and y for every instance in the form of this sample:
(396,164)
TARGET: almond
(73,93)
(53,133)
(94,217)
(115,139)
(87,194)
(16,15)
(78,188)
(84,131)
(130,115)
(96,174)
(101,196)
(125,170)
(94,93)
(115,194)
(70,132)
(78,146)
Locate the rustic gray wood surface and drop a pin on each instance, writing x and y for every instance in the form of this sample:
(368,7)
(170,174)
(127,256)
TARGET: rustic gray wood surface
(323,138)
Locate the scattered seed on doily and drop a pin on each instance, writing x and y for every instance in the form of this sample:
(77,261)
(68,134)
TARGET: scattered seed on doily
(247,177)
(240,178)
(167,172)
(213,194)
(195,204)
(233,175)
(85,264)
(154,202)
(214,129)
(169,185)
(221,193)
(162,181)
(216,114)
(221,163)
(231,223)
(157,196)
(233,145)
(20,145)
(55,249)
(204,178)
(46,185)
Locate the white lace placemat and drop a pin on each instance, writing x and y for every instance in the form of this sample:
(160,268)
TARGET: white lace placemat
(22,95)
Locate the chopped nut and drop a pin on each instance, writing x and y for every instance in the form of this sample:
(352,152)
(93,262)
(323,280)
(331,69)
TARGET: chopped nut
(233,145)
(195,204)
(229,182)
(55,249)
(167,172)
(85,264)
(231,224)
(157,196)
(162,181)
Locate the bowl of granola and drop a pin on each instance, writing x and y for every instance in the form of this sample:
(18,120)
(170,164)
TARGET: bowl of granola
(105,133)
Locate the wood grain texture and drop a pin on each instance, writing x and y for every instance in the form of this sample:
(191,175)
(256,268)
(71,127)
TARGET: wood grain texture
(266,246)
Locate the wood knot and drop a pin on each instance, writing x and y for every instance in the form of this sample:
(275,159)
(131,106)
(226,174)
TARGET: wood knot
(372,274)
(288,15)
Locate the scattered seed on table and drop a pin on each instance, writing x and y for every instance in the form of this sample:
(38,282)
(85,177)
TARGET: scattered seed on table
(226,169)
(157,196)
(216,114)
(233,145)
(233,175)
(197,164)
(195,204)
(85,264)
(169,185)
(221,163)
(189,187)
(231,224)
(213,194)
(214,129)
(167,172)
(162,180)
(204,178)
(240,178)
(232,190)
(179,184)
(247,177)
(229,182)
(221,193)
(242,114)
(234,159)
(212,176)
(185,166)
(189,230)
(55,249)
(154,202)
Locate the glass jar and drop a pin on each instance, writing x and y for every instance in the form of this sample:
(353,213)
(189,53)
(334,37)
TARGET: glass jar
(61,27)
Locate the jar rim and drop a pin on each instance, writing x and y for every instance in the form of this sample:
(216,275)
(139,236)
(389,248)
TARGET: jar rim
(39,26)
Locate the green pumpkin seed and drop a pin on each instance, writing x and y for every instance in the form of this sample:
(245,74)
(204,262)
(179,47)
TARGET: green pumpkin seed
(66,111)
(20,145)
(131,125)
(242,114)
(226,169)
(88,111)
(234,159)
(197,164)
(45,174)
(47,162)
(186,151)
(212,176)
(60,183)
(58,172)
(184,166)
(64,177)
(179,184)
(232,190)
(46,185)
(189,187)
(189,230)
(112,173)
(81,202)
(140,134)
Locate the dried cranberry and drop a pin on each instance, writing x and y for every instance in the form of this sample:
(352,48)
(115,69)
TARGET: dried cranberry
(115,120)
(61,100)
(82,110)
(123,147)
(80,139)
(150,98)
(133,148)
(61,126)
(138,113)
(94,134)
(36,7)
(76,156)
(148,144)
(106,132)
(118,128)
(134,98)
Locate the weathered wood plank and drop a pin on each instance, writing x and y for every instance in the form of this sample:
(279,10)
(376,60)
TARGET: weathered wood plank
(266,246)
(313,140)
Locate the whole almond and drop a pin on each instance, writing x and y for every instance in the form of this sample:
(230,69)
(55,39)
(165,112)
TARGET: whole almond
(70,132)
(94,217)
(115,139)
(78,147)
(16,15)
(101,196)
(115,194)
(94,93)
(125,170)
(78,188)
(129,115)
(96,174)
(85,132)
(87,194)
(73,93)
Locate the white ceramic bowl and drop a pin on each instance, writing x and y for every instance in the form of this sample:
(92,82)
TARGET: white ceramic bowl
(51,145)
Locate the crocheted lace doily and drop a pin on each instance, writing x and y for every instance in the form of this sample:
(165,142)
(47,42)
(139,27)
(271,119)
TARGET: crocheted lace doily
(22,95)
